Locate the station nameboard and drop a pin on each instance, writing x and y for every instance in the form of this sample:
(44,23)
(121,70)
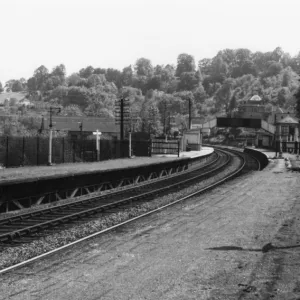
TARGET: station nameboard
(238,122)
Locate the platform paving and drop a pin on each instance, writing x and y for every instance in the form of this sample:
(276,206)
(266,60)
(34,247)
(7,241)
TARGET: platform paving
(238,241)
(293,159)
(61,170)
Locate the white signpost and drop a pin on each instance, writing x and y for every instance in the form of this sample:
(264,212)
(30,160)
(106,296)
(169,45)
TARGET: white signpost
(98,134)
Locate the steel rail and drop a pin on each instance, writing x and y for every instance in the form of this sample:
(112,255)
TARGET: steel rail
(57,216)
(236,150)
(202,190)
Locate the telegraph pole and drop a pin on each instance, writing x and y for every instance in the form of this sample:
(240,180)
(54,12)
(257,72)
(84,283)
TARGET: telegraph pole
(190,113)
(122,119)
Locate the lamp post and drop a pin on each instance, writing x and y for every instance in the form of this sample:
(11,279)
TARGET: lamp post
(190,113)
(57,110)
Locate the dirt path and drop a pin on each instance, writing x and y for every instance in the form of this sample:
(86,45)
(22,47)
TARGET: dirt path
(209,247)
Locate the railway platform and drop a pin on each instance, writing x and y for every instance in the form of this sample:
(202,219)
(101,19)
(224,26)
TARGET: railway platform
(292,160)
(25,187)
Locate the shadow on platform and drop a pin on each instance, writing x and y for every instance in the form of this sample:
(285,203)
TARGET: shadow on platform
(266,248)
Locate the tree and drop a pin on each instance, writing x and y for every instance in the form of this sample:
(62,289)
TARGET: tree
(297,96)
(143,67)
(99,71)
(9,83)
(277,54)
(41,74)
(219,70)
(1,88)
(32,84)
(248,67)
(274,68)
(71,111)
(153,120)
(77,95)
(242,55)
(127,75)
(61,94)
(205,65)
(199,94)
(86,72)
(114,76)
(223,95)
(95,80)
(188,81)
(185,63)
(58,75)
(17,86)
(59,70)
(233,103)
(287,76)
(73,79)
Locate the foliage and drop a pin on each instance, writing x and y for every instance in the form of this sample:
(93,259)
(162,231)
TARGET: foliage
(216,84)
(297,96)
(143,67)
(185,63)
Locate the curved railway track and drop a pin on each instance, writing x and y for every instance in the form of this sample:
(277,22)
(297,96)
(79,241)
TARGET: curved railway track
(19,229)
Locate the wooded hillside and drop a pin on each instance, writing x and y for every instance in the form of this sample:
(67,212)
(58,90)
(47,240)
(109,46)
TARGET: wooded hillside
(159,94)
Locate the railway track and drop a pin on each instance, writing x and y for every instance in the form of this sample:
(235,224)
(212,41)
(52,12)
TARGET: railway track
(27,223)
(22,228)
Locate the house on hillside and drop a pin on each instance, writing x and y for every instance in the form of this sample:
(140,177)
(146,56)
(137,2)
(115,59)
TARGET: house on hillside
(78,127)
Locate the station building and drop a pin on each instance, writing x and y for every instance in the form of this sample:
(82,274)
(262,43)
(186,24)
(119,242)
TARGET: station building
(285,123)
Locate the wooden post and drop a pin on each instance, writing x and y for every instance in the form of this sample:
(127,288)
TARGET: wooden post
(150,147)
(178,148)
(129,144)
(73,149)
(63,149)
(50,148)
(37,149)
(23,151)
(6,152)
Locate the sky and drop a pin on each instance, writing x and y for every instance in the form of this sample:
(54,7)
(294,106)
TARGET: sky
(115,33)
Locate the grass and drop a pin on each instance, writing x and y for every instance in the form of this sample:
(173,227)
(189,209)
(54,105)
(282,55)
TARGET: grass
(18,96)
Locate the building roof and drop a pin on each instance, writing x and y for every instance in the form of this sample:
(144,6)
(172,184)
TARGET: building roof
(288,120)
(88,124)
(255,98)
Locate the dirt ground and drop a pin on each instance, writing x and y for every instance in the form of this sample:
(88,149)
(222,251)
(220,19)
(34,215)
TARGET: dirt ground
(239,241)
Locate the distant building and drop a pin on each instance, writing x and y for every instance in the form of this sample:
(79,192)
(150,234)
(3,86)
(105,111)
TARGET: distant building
(255,108)
(252,109)
(287,129)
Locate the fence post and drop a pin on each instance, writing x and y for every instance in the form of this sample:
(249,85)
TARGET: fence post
(150,147)
(178,148)
(6,162)
(23,151)
(37,150)
(63,150)
(73,146)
